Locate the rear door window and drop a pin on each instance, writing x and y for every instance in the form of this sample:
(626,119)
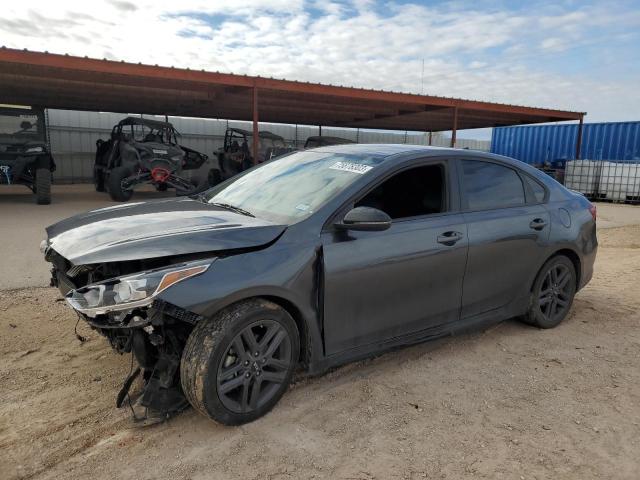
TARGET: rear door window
(488,186)
(537,190)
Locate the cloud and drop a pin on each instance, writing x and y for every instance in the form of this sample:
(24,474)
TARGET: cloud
(545,55)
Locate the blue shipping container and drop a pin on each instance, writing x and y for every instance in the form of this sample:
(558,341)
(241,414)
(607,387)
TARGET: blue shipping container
(537,144)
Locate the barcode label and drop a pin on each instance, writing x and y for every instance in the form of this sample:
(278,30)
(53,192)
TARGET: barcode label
(351,167)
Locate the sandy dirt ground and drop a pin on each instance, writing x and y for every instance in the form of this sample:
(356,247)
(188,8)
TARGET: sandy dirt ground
(512,402)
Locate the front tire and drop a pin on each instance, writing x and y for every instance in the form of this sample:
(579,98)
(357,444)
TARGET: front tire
(552,293)
(98,178)
(238,364)
(116,176)
(43,186)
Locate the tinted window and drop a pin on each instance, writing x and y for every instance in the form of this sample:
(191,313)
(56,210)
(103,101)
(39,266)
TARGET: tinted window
(488,185)
(536,188)
(418,191)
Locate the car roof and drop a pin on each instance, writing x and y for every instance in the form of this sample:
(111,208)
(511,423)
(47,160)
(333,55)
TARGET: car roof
(402,151)
(325,138)
(385,149)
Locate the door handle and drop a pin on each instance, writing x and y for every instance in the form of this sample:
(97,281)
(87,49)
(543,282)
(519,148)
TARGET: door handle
(449,238)
(537,224)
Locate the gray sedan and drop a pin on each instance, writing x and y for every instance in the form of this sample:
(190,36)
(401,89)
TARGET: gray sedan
(315,259)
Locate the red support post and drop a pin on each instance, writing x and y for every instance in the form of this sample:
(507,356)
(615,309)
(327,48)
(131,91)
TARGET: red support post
(255,125)
(455,127)
(579,139)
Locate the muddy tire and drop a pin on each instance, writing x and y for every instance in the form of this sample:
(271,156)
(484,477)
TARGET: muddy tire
(552,293)
(43,186)
(238,364)
(114,182)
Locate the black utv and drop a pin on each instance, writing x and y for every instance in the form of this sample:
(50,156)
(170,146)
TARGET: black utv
(142,151)
(25,158)
(236,154)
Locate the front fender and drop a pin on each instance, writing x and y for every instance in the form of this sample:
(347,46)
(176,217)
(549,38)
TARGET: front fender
(282,271)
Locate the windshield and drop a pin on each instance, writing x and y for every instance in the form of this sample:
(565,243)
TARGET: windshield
(291,188)
(18,124)
(146,133)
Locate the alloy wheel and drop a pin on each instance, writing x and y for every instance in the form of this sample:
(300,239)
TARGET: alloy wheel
(254,366)
(555,293)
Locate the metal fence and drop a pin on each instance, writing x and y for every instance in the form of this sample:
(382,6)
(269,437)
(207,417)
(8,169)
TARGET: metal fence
(73,136)
(613,181)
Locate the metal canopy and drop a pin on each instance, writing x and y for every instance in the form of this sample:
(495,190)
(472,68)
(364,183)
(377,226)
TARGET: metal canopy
(77,83)
(68,82)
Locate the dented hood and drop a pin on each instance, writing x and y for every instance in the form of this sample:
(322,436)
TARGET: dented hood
(143,230)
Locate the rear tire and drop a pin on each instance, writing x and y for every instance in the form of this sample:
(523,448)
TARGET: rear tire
(114,183)
(43,186)
(552,293)
(238,364)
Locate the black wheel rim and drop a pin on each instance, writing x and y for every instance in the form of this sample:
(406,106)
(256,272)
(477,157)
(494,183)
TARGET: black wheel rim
(555,292)
(254,366)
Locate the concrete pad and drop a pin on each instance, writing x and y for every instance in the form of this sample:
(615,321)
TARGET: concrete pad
(22,224)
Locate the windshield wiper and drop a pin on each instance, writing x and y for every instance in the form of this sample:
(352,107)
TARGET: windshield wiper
(233,208)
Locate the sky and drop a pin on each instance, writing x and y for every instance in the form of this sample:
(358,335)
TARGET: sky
(565,54)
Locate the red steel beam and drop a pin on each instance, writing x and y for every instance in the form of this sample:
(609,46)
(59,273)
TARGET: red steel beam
(579,139)
(255,125)
(454,130)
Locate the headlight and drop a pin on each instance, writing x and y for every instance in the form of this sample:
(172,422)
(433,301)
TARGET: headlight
(34,150)
(44,244)
(131,291)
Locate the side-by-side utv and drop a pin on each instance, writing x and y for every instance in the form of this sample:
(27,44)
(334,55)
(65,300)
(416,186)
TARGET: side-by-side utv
(236,154)
(25,158)
(143,151)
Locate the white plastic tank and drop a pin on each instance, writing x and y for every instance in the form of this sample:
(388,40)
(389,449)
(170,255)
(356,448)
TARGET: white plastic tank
(583,176)
(620,182)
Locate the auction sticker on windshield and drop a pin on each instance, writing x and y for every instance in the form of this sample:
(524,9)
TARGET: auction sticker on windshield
(351,167)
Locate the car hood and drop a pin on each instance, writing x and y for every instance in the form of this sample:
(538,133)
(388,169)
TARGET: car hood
(156,229)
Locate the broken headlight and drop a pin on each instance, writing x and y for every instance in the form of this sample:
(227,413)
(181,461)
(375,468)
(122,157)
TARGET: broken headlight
(131,291)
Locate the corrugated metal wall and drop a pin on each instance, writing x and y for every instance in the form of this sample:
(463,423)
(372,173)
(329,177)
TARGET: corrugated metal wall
(540,143)
(73,137)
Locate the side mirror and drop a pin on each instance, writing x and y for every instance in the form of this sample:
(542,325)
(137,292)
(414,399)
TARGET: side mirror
(365,219)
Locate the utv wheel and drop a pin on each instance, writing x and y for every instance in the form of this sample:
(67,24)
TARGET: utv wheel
(98,179)
(247,163)
(43,186)
(552,293)
(214,177)
(114,183)
(237,365)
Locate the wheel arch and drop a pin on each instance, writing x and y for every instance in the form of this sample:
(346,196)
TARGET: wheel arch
(565,252)
(287,304)
(303,329)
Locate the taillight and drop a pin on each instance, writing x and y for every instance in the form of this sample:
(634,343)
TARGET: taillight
(593,210)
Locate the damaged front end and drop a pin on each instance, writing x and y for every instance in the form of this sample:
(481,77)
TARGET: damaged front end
(127,311)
